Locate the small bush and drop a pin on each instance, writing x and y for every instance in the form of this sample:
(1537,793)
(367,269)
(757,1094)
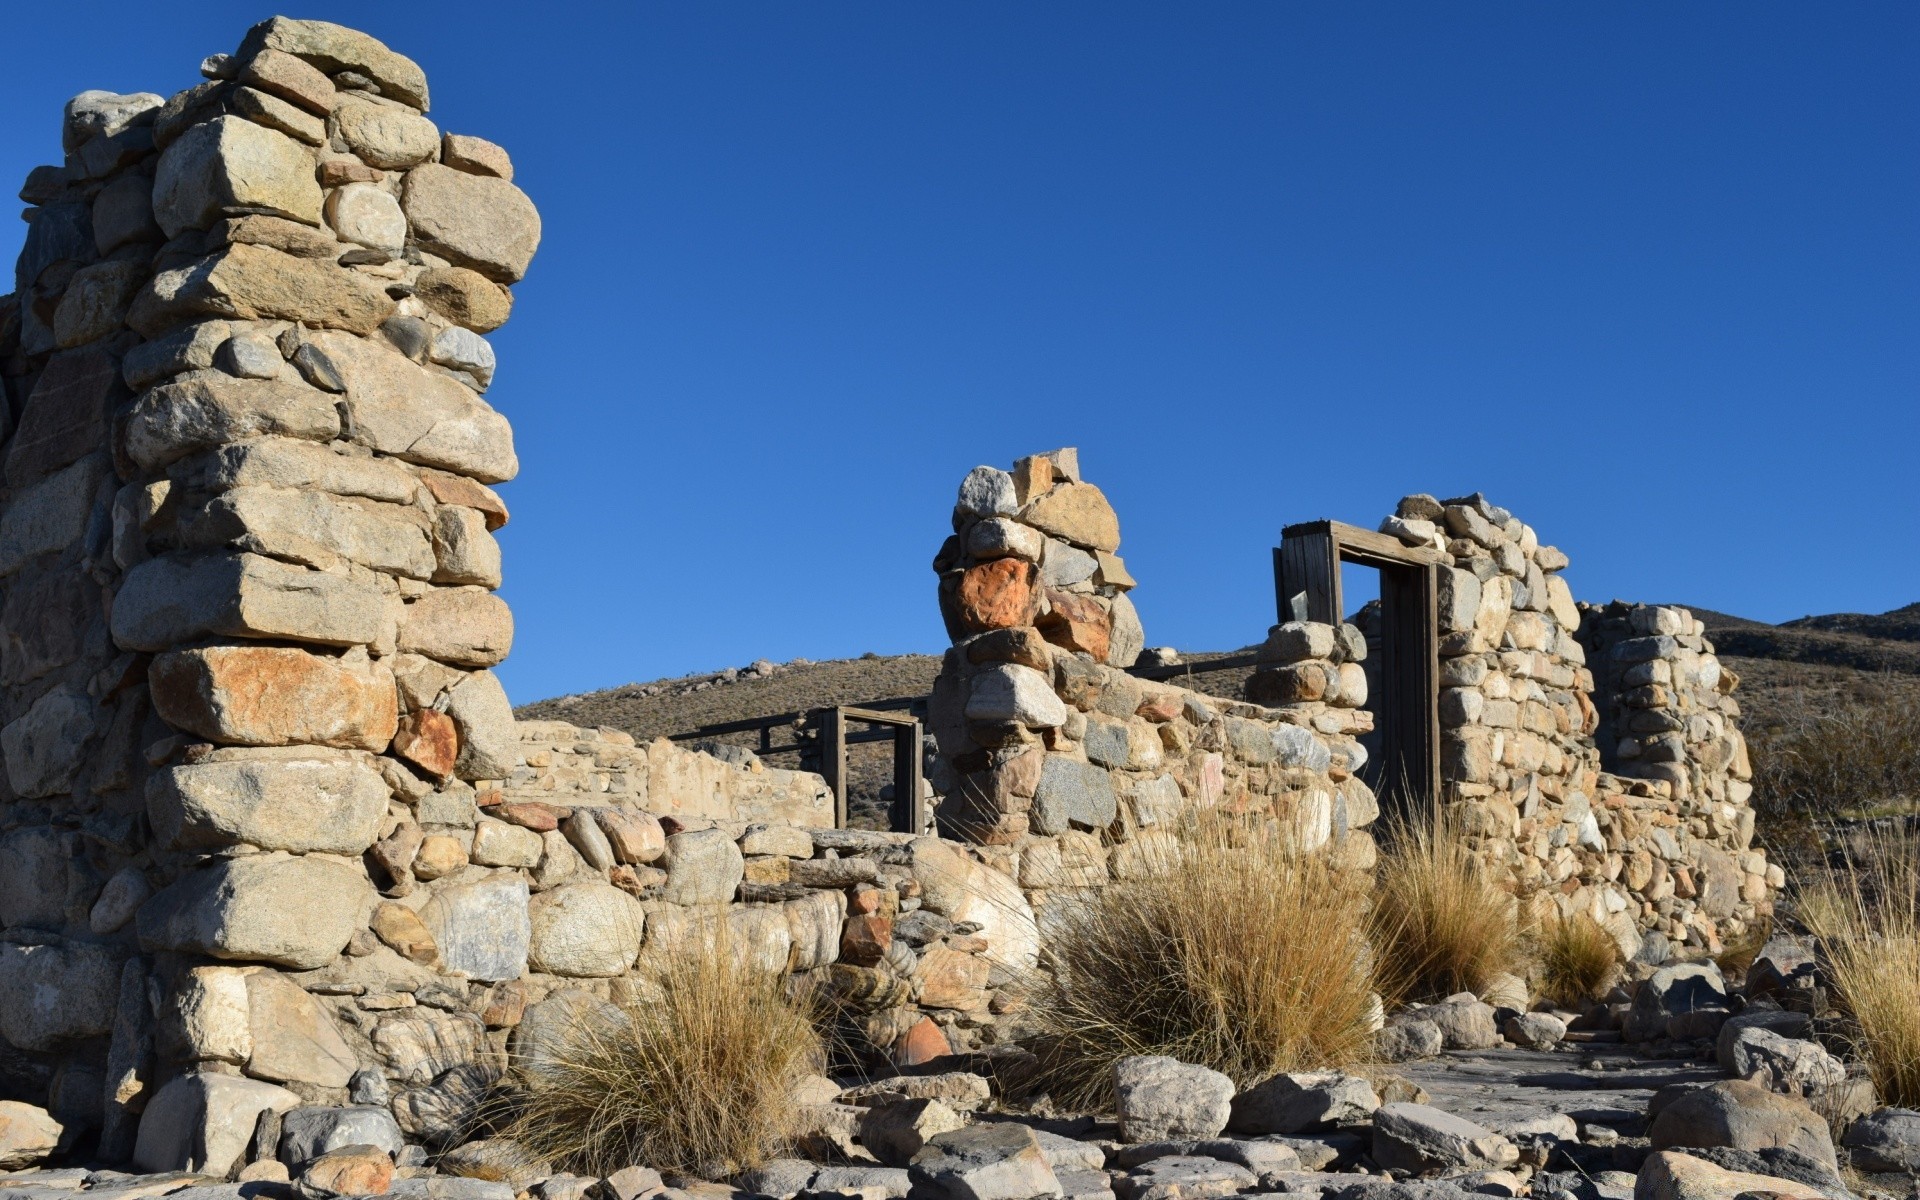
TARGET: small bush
(1865,910)
(1237,953)
(1440,925)
(1839,757)
(1577,960)
(697,1078)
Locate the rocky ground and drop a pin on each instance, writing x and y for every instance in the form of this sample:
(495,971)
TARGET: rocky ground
(1677,1087)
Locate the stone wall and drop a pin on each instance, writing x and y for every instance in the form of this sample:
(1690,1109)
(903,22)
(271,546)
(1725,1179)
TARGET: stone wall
(566,764)
(1065,769)
(1632,810)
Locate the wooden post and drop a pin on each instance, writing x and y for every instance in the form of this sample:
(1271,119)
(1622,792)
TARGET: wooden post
(833,760)
(909,813)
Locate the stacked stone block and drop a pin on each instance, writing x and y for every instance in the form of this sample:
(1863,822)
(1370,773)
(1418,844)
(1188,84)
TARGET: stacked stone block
(1064,769)
(247,550)
(1660,860)
(1677,764)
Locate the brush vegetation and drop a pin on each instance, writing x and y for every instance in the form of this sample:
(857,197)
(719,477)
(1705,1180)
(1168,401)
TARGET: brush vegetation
(697,1078)
(1440,924)
(1235,952)
(1576,960)
(1856,755)
(1865,910)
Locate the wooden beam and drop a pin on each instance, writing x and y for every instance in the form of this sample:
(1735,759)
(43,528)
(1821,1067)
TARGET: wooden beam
(909,814)
(833,760)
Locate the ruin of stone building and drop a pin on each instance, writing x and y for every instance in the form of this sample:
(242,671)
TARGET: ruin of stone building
(273,842)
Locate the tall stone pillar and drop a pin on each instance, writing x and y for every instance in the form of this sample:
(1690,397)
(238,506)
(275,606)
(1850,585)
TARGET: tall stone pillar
(247,573)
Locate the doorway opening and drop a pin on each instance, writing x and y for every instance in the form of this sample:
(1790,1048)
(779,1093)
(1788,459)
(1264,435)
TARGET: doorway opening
(1403,643)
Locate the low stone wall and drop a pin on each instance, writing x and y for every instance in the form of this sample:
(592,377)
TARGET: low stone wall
(1067,771)
(567,764)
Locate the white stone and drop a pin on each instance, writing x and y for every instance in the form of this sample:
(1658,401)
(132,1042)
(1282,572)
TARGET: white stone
(203,1123)
(303,801)
(988,492)
(292,911)
(1008,692)
(481,927)
(363,214)
(464,350)
(588,929)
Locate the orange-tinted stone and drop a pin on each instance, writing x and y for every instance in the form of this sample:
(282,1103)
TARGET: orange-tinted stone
(865,939)
(429,740)
(1078,623)
(921,1044)
(1000,594)
(541,818)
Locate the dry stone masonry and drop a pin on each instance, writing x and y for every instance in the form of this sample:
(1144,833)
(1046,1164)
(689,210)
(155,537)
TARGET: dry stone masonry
(1066,770)
(1622,797)
(280,874)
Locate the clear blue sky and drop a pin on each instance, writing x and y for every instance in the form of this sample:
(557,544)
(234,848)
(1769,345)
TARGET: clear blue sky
(1644,273)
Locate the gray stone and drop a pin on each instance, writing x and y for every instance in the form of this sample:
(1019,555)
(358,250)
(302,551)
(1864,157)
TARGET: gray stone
(1183,1177)
(309,1131)
(1791,1065)
(893,1182)
(294,1038)
(987,492)
(1127,637)
(998,1161)
(203,409)
(230,164)
(782,1178)
(460,349)
(1065,565)
(1779,1163)
(1106,743)
(52,996)
(167,601)
(1301,1103)
(704,866)
(1001,537)
(1668,1175)
(101,114)
(387,137)
(482,928)
(1073,794)
(1535,1031)
(1886,1141)
(1418,1138)
(1408,1037)
(1008,692)
(1263,1157)
(256,282)
(45,747)
(122,896)
(276,908)
(1676,990)
(203,1123)
(1070,1154)
(52,514)
(1160,1098)
(589,928)
(1786,1024)
(1296,746)
(1745,1116)
(401,408)
(1464,1024)
(473,221)
(489,740)
(335,48)
(448,1187)
(552,1028)
(894,1133)
(304,802)
(190,348)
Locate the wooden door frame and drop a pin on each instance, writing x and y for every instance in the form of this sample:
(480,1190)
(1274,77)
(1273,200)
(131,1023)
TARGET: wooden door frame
(1306,573)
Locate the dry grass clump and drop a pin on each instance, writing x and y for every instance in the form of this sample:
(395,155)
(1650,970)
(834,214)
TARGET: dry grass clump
(1866,912)
(698,1078)
(1237,952)
(1577,960)
(1440,924)
(1851,756)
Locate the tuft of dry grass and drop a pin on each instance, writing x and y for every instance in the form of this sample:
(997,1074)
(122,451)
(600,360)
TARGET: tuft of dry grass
(1865,910)
(1440,924)
(696,1078)
(1236,952)
(1577,960)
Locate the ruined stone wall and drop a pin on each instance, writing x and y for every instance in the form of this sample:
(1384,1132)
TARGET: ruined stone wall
(1621,798)
(566,764)
(1065,770)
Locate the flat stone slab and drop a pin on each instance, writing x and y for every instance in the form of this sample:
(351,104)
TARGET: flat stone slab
(1501,1087)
